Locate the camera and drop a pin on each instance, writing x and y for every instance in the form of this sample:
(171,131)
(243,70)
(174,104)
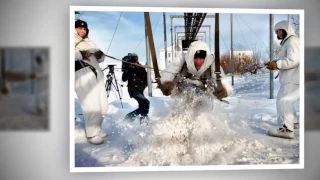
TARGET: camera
(131,57)
(111,68)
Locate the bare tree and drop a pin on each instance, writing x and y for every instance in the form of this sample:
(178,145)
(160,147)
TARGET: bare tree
(276,50)
(266,52)
(243,62)
(295,22)
(258,54)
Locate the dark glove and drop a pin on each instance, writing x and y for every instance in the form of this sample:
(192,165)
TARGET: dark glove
(271,65)
(5,91)
(32,76)
(98,54)
(85,54)
(166,87)
(221,94)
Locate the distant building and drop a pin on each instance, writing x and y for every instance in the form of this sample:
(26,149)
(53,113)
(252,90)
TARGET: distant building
(177,52)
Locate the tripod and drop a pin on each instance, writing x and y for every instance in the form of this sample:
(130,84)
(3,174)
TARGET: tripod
(109,82)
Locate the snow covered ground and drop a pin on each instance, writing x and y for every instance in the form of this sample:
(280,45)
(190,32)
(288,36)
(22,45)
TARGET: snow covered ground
(18,112)
(227,134)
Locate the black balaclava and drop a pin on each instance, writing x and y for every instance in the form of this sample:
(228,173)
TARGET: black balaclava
(200,54)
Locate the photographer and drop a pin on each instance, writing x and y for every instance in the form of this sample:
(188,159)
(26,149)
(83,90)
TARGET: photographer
(137,82)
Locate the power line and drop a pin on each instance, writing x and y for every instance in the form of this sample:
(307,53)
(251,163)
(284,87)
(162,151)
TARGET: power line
(144,36)
(159,48)
(154,28)
(80,15)
(241,32)
(144,54)
(160,45)
(224,42)
(253,32)
(114,33)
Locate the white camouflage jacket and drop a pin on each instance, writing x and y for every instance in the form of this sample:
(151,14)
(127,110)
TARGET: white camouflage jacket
(87,45)
(289,55)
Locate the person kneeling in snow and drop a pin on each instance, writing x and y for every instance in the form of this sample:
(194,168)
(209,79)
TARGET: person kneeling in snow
(137,82)
(195,70)
(288,66)
(89,83)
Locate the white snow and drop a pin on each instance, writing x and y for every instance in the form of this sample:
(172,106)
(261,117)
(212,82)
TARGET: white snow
(18,112)
(179,134)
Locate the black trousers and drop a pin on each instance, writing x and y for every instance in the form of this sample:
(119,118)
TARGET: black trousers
(143,108)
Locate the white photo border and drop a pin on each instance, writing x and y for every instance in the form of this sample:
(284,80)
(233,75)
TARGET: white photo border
(185,168)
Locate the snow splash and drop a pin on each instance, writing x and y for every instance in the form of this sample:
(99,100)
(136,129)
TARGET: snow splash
(195,132)
(184,133)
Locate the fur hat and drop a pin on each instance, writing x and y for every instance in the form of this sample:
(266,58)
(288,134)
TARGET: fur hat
(80,23)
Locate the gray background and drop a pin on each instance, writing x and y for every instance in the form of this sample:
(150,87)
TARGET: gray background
(45,155)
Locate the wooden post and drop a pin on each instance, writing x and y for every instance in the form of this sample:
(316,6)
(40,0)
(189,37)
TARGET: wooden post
(151,47)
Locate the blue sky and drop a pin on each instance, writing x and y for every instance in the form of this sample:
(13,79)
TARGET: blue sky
(249,30)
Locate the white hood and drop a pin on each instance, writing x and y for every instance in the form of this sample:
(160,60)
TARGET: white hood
(175,67)
(289,55)
(189,57)
(285,25)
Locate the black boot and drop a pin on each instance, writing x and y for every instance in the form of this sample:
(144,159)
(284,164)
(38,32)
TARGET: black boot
(131,116)
(144,119)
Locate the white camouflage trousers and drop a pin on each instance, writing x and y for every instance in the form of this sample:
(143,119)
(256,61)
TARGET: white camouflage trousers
(92,97)
(286,98)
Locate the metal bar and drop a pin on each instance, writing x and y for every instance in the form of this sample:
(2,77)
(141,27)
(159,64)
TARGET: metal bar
(171,40)
(175,49)
(271,55)
(32,84)
(200,23)
(183,37)
(165,39)
(217,51)
(3,69)
(187,33)
(180,26)
(210,38)
(231,53)
(179,16)
(204,33)
(148,62)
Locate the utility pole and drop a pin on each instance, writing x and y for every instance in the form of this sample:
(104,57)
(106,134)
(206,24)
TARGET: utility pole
(217,52)
(152,48)
(231,53)
(175,47)
(171,39)
(148,62)
(32,68)
(3,69)
(165,39)
(271,56)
